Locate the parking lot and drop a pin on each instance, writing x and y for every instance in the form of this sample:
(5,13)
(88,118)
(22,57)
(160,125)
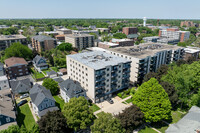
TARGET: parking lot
(114,108)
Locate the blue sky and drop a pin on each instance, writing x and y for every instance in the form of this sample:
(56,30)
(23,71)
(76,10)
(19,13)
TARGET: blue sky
(162,9)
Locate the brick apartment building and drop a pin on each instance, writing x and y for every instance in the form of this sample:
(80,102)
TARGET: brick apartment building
(130,30)
(187,24)
(42,43)
(16,67)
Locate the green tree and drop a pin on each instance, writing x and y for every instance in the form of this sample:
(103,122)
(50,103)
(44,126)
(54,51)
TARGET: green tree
(53,122)
(94,34)
(182,44)
(78,113)
(106,123)
(51,85)
(153,101)
(18,50)
(119,35)
(65,47)
(131,118)
(195,100)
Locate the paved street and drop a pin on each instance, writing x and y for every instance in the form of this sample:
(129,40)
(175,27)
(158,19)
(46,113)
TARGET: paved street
(114,108)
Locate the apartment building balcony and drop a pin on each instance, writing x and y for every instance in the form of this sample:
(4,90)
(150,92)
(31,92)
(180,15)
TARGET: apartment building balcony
(100,79)
(113,80)
(113,86)
(100,74)
(100,85)
(113,75)
(126,76)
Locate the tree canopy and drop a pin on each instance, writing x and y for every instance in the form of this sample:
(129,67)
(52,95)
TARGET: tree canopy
(65,47)
(131,118)
(119,35)
(18,50)
(51,84)
(106,123)
(78,113)
(53,122)
(22,129)
(153,101)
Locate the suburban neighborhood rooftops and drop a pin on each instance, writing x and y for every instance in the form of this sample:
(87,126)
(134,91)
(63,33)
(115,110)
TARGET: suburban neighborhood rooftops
(143,50)
(71,87)
(42,38)
(37,59)
(11,37)
(97,59)
(188,124)
(15,61)
(51,73)
(6,108)
(15,84)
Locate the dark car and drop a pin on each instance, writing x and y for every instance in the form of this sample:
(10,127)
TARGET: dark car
(110,101)
(22,103)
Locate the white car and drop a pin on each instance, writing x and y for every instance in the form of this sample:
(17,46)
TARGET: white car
(24,95)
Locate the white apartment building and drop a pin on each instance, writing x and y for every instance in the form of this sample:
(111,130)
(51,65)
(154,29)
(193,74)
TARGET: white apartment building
(99,73)
(80,41)
(147,57)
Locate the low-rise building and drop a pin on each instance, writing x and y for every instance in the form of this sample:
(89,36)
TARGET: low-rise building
(64,31)
(52,74)
(147,57)
(4,84)
(20,86)
(129,30)
(7,40)
(7,110)
(70,89)
(191,52)
(100,73)
(42,101)
(16,67)
(40,63)
(123,42)
(42,43)
(190,123)
(80,41)
(60,37)
(107,45)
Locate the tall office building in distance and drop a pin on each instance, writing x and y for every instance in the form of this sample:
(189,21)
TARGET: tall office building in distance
(100,73)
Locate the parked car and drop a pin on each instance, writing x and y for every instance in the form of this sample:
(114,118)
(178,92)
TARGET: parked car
(24,95)
(22,103)
(110,100)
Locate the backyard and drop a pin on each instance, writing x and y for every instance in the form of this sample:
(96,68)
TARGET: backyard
(46,70)
(25,116)
(59,102)
(36,75)
(55,69)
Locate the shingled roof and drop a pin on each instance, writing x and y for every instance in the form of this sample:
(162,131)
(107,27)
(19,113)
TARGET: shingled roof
(14,61)
(15,84)
(37,59)
(71,87)
(38,93)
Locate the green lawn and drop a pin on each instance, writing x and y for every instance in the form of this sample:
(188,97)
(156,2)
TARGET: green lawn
(176,116)
(147,130)
(55,69)
(94,107)
(161,126)
(25,117)
(59,102)
(45,71)
(129,100)
(36,74)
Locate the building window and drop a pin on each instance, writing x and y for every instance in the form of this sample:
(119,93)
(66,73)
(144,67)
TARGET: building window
(8,119)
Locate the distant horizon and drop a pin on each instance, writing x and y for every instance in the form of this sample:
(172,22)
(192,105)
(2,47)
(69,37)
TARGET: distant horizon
(113,9)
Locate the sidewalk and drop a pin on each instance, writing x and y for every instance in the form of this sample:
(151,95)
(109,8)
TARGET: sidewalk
(32,112)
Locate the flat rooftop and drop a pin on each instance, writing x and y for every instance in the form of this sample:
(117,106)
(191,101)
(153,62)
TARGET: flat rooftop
(78,35)
(121,40)
(143,50)
(109,43)
(11,37)
(191,51)
(98,59)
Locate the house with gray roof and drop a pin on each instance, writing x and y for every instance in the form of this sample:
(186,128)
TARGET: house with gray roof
(70,89)
(20,86)
(7,112)
(52,74)
(40,63)
(190,123)
(42,101)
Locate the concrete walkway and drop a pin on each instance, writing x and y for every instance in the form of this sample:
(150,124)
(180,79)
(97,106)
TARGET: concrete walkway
(32,112)
(114,108)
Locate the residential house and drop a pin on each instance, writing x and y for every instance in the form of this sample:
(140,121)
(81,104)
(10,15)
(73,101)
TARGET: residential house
(20,86)
(40,63)
(52,74)
(4,84)
(190,123)
(41,100)
(63,71)
(16,67)
(7,111)
(70,89)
